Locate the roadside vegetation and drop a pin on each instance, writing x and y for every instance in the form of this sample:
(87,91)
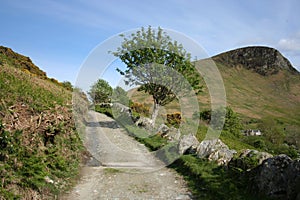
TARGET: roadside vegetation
(40,150)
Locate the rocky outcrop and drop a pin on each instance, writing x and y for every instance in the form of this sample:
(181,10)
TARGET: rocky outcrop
(215,150)
(170,133)
(144,122)
(249,159)
(188,144)
(263,60)
(163,130)
(278,177)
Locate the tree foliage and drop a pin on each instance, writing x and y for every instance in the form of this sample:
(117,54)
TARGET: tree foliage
(120,95)
(232,122)
(225,119)
(158,65)
(100,92)
(272,131)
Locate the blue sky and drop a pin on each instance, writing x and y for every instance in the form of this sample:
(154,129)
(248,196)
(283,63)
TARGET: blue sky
(58,35)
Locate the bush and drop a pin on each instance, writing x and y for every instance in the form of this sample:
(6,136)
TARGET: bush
(259,144)
(104,109)
(140,108)
(174,119)
(203,115)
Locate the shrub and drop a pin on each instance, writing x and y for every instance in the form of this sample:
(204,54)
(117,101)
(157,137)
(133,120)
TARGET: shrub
(104,109)
(174,119)
(140,108)
(259,144)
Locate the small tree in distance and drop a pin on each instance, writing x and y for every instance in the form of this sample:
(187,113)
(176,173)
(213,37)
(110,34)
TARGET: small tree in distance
(158,65)
(120,95)
(100,92)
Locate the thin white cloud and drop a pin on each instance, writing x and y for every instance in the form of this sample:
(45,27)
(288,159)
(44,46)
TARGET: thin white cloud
(290,43)
(215,25)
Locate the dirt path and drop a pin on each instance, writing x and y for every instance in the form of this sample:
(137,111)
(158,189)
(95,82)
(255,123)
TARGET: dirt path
(128,170)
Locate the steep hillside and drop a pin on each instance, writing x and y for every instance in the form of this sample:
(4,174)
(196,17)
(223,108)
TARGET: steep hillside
(23,63)
(8,56)
(260,82)
(40,149)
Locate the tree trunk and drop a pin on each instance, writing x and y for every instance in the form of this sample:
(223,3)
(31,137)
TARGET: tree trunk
(156,107)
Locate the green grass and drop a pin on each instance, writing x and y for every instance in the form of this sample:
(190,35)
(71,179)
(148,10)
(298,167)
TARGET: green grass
(25,157)
(17,86)
(111,170)
(207,180)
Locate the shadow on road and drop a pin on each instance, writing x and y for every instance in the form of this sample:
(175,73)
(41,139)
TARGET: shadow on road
(104,124)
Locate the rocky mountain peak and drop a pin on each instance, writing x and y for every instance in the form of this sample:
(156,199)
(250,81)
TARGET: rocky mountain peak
(263,60)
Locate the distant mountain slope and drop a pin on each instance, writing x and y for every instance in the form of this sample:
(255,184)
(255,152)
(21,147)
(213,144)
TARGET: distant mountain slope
(260,82)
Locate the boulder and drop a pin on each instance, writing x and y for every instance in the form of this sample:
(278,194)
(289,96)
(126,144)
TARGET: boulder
(215,150)
(249,159)
(188,143)
(278,177)
(163,130)
(172,134)
(145,123)
(121,108)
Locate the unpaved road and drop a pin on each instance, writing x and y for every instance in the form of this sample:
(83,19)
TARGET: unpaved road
(127,170)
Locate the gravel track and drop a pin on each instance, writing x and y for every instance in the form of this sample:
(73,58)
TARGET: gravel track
(127,170)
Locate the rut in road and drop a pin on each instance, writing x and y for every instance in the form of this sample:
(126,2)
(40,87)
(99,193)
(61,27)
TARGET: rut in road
(127,171)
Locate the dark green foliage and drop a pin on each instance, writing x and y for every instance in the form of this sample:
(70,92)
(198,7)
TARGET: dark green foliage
(259,143)
(104,109)
(9,142)
(232,123)
(204,115)
(28,167)
(245,163)
(100,92)
(272,131)
(120,95)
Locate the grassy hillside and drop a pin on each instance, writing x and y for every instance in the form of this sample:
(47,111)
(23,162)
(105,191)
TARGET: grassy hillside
(40,149)
(257,95)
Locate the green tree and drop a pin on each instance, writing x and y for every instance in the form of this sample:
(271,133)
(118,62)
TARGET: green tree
(232,122)
(272,131)
(158,65)
(120,95)
(100,92)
